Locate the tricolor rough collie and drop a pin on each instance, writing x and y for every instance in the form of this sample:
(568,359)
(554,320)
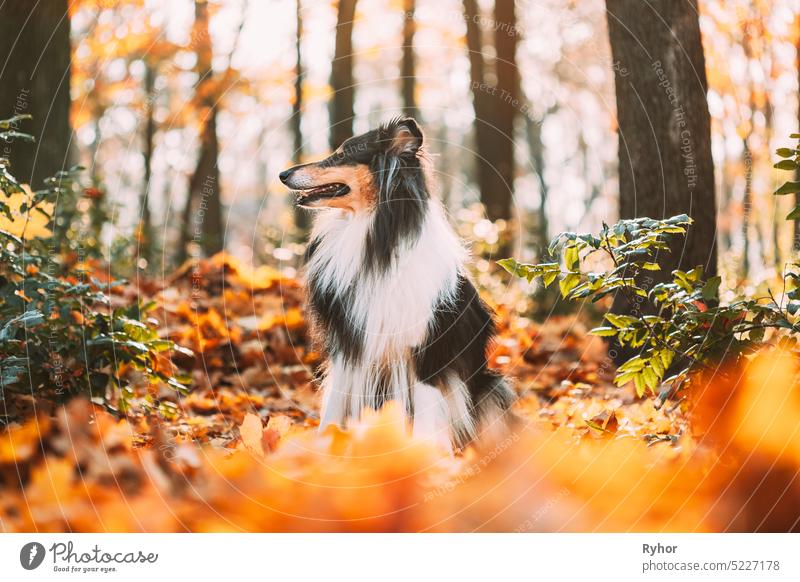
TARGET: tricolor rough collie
(389,297)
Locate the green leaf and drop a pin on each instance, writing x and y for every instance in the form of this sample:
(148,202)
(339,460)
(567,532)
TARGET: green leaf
(604,331)
(620,320)
(549,278)
(679,219)
(657,365)
(651,266)
(509,265)
(650,378)
(12,135)
(635,364)
(516,269)
(756,335)
(568,283)
(786,152)
(788,188)
(638,382)
(711,288)
(571,258)
(27,319)
(624,378)
(785,165)
(12,373)
(159,345)
(13,121)
(174,384)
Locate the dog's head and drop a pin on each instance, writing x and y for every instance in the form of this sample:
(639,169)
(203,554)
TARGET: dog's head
(352,177)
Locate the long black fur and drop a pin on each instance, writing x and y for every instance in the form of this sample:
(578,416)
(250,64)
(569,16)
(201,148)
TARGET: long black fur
(462,328)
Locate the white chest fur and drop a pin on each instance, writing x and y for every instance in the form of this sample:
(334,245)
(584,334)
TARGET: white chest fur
(390,311)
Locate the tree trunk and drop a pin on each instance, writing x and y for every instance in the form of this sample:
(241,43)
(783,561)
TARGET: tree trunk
(747,154)
(726,234)
(444,169)
(747,206)
(145,234)
(204,198)
(408,65)
(796,240)
(297,106)
(495,106)
(301,219)
(342,76)
(534,131)
(35,79)
(665,164)
(777,217)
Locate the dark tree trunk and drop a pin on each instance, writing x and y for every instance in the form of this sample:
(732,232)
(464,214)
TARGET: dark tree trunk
(35,79)
(506,106)
(496,107)
(297,106)
(665,164)
(342,76)
(202,215)
(211,215)
(408,65)
(477,68)
(796,240)
(747,204)
(145,220)
(301,219)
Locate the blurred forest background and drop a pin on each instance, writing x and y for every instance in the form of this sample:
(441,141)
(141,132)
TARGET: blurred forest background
(189,367)
(184,113)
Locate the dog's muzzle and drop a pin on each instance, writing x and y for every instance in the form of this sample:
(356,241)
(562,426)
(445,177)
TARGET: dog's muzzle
(307,192)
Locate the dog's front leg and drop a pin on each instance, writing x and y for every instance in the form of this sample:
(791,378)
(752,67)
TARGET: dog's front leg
(335,396)
(431,417)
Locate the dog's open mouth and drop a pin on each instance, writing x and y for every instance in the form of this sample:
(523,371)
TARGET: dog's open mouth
(311,195)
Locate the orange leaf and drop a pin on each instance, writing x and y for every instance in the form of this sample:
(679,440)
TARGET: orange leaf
(252,433)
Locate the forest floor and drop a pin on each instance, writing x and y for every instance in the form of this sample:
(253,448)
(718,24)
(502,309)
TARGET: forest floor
(241,450)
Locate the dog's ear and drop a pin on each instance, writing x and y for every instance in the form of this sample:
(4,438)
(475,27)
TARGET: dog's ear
(407,137)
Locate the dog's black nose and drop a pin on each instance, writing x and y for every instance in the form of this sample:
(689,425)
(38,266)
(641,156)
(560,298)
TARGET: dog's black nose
(285,175)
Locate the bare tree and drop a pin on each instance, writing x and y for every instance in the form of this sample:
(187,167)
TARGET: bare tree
(665,164)
(297,106)
(342,75)
(204,199)
(533,129)
(145,233)
(408,64)
(301,218)
(35,80)
(796,240)
(496,106)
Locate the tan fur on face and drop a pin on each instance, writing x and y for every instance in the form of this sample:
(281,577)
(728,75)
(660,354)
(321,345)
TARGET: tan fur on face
(362,195)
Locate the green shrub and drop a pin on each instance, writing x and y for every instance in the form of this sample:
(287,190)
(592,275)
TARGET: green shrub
(678,325)
(59,335)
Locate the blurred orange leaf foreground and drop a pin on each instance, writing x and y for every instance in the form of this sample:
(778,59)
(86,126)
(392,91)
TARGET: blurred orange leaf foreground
(737,472)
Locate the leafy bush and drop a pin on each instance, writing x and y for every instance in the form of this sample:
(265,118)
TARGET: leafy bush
(678,325)
(59,335)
